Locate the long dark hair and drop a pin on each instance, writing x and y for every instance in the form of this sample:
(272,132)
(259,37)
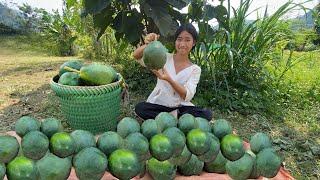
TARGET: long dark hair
(189,28)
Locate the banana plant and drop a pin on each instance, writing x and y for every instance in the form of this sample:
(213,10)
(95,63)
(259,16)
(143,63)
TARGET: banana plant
(62,34)
(65,28)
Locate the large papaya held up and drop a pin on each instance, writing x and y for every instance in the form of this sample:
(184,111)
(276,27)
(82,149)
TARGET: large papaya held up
(155,55)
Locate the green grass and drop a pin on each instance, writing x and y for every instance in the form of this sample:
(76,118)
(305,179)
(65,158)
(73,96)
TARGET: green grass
(26,69)
(302,85)
(302,114)
(25,72)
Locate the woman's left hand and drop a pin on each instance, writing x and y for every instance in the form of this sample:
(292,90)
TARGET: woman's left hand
(162,74)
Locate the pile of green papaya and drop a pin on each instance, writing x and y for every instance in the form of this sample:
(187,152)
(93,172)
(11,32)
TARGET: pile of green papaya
(76,73)
(163,147)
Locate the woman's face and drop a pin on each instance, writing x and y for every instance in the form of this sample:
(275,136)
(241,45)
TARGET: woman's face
(184,43)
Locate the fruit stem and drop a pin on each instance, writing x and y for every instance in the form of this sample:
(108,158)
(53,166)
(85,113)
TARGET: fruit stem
(71,69)
(251,153)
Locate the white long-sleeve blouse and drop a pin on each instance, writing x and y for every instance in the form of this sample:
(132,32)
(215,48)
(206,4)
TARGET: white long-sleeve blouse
(165,95)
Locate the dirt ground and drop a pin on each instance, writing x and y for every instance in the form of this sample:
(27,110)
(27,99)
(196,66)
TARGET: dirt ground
(25,86)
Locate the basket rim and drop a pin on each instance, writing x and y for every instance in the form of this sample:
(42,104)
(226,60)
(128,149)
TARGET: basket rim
(86,90)
(120,80)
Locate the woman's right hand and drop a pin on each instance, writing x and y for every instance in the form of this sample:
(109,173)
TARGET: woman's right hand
(151,37)
(138,53)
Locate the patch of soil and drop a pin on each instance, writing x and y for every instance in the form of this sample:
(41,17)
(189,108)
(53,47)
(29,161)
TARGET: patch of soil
(24,104)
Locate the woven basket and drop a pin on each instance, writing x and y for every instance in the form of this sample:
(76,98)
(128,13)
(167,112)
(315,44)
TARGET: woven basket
(92,108)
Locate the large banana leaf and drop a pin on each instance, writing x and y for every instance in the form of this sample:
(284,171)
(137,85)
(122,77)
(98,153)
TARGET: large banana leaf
(95,6)
(160,16)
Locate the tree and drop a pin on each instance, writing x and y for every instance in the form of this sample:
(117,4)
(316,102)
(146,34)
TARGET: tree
(64,29)
(132,18)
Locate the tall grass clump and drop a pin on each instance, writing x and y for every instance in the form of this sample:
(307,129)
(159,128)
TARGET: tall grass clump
(234,61)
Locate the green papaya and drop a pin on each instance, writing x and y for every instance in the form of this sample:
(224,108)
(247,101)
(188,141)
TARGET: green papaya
(95,74)
(75,64)
(70,79)
(155,55)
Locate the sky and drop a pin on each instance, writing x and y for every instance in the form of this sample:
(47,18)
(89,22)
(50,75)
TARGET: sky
(272,5)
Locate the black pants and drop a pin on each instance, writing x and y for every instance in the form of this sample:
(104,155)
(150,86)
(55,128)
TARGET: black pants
(147,110)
